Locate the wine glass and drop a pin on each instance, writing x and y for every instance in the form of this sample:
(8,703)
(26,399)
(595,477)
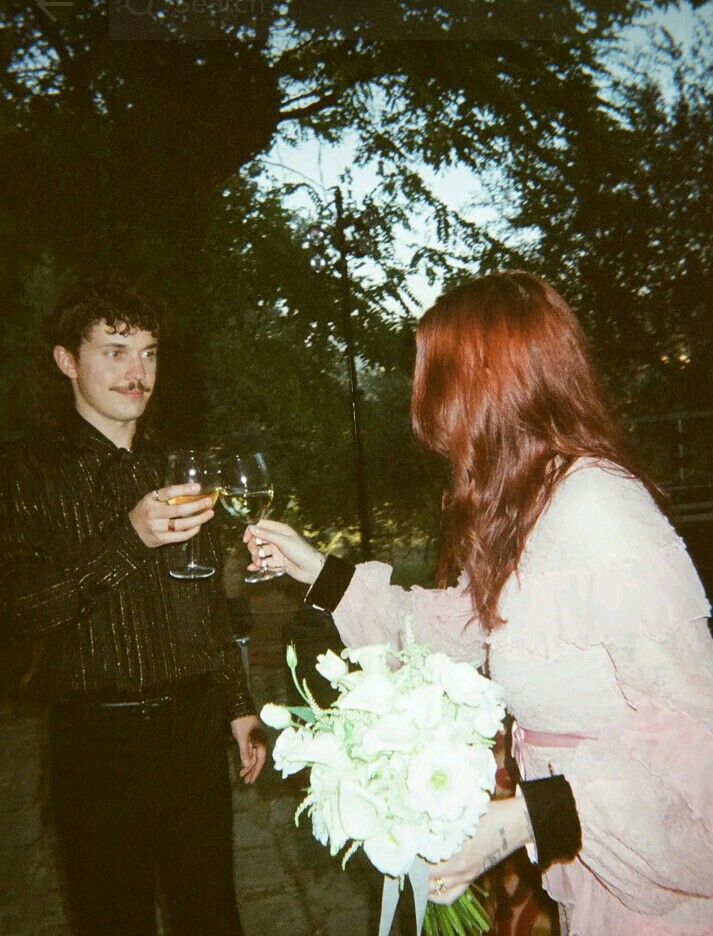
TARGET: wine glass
(247,493)
(192,467)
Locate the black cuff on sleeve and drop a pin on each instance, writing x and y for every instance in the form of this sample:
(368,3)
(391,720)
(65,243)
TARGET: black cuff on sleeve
(331,583)
(554,819)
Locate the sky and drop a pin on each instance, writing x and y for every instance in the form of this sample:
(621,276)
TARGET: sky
(458,187)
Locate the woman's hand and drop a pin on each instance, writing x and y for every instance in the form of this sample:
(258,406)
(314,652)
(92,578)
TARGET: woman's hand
(503,829)
(277,546)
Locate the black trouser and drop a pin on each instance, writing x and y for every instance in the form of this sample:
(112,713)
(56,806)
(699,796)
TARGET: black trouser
(141,794)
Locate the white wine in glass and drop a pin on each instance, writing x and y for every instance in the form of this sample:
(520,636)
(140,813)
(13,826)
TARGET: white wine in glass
(247,493)
(194,467)
(249,508)
(190,498)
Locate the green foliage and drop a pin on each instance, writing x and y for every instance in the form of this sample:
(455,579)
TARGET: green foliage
(626,228)
(146,156)
(275,371)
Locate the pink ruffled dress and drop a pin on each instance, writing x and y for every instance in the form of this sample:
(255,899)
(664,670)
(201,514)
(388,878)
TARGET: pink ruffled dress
(607,664)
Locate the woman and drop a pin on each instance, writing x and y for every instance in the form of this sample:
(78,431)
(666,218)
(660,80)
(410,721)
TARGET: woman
(584,599)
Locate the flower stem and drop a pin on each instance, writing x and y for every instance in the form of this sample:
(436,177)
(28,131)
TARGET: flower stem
(465,917)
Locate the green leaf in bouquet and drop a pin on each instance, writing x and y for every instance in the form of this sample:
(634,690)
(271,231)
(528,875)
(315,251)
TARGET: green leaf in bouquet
(302,711)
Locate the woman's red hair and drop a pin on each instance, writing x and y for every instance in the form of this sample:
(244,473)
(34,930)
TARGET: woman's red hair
(503,384)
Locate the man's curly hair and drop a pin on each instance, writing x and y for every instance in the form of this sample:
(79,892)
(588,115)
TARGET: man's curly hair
(119,302)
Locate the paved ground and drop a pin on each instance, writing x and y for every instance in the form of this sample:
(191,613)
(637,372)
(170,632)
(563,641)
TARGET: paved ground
(287,884)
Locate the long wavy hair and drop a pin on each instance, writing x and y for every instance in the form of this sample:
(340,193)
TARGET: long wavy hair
(505,390)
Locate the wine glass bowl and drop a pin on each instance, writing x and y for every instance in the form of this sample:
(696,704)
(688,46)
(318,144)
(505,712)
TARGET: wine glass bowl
(193,467)
(246,494)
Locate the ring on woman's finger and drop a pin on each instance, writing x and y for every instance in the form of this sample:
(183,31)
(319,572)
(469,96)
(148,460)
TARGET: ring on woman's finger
(438,886)
(171,525)
(155,496)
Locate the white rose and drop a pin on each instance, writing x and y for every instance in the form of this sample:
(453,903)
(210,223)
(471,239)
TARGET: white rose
(374,693)
(421,705)
(332,667)
(488,719)
(372,658)
(289,751)
(391,733)
(465,686)
(276,716)
(443,845)
(327,749)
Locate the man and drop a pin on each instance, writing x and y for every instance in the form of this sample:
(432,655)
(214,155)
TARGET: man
(140,669)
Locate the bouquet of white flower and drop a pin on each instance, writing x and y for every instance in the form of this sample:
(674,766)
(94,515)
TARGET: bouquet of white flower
(401,765)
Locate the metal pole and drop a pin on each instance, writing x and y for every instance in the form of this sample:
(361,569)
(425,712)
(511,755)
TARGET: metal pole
(362,504)
(681,452)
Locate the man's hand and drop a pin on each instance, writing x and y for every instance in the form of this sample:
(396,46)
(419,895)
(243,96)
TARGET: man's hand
(157,522)
(250,736)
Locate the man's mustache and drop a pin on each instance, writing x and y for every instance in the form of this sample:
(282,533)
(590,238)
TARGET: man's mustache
(132,387)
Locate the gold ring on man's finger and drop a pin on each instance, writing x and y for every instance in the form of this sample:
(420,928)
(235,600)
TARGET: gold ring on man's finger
(171,525)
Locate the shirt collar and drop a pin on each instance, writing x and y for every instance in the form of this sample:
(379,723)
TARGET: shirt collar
(85,435)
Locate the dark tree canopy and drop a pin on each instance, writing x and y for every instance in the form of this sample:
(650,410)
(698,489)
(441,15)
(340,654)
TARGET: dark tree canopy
(137,142)
(119,145)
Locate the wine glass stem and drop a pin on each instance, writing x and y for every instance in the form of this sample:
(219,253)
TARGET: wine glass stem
(190,554)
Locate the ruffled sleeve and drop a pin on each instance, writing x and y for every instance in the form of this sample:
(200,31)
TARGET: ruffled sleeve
(374,611)
(620,580)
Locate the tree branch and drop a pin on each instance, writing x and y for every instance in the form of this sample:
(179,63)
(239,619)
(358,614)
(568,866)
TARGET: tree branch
(310,109)
(300,97)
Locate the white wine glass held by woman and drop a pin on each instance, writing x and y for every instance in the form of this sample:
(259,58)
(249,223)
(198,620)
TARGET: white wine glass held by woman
(246,494)
(285,549)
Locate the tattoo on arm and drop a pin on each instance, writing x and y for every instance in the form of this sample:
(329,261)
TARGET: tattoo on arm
(499,854)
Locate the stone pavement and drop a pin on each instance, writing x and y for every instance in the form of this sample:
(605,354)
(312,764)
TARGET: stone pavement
(287,884)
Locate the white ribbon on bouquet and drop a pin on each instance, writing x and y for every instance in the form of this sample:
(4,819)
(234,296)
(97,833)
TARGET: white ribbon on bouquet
(418,875)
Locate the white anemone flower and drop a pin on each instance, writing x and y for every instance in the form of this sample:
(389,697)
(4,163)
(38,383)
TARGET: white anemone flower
(399,763)
(442,780)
